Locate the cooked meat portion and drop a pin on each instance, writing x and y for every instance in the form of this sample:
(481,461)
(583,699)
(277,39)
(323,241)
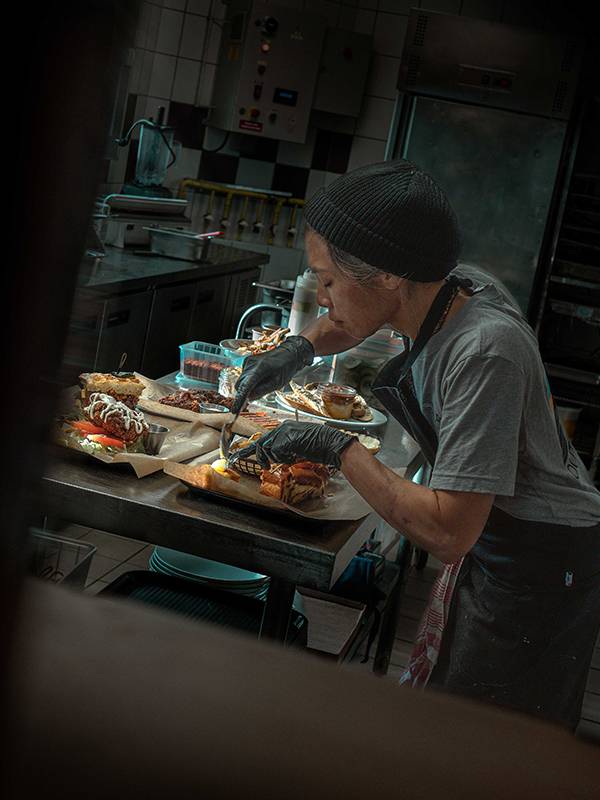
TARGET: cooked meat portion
(191,399)
(294,483)
(202,369)
(115,418)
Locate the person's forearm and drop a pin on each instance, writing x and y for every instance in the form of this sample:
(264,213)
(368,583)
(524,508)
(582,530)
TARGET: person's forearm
(412,509)
(326,338)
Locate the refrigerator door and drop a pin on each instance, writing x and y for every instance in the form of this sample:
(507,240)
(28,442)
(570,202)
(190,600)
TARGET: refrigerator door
(498,168)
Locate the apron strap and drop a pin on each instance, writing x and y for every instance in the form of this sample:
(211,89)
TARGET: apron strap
(393,386)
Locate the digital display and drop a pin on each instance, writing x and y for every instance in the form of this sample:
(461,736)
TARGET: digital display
(286,97)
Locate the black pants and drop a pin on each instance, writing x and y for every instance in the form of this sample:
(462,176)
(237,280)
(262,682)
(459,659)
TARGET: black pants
(529,650)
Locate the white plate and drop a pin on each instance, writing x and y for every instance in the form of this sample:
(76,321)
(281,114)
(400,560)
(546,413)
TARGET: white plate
(256,590)
(206,568)
(350,424)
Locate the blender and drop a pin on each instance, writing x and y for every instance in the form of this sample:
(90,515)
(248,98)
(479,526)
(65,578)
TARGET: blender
(156,153)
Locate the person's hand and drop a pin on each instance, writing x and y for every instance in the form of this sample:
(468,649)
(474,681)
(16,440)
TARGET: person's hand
(268,371)
(298,441)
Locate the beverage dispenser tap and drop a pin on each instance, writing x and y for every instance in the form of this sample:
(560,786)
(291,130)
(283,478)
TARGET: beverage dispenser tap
(242,221)
(274,221)
(258,223)
(226,210)
(208,216)
(292,230)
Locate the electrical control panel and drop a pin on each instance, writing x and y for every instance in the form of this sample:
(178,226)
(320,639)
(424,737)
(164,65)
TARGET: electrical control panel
(268,69)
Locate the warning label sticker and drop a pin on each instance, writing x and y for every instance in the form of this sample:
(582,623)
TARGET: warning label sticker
(250,125)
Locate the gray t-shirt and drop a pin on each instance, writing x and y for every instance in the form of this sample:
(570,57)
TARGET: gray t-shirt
(481,384)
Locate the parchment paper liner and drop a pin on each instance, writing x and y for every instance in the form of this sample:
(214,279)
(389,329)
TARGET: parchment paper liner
(154,390)
(184,440)
(341,501)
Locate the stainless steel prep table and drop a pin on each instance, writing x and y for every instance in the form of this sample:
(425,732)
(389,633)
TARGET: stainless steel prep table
(159,510)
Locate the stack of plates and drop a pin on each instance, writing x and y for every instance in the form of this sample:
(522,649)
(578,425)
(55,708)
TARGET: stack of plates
(210,573)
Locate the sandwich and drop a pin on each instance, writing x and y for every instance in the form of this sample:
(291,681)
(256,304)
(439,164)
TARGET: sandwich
(108,426)
(124,388)
(294,483)
(116,419)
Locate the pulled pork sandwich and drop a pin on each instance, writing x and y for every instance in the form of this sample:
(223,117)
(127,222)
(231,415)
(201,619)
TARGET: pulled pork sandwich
(125,389)
(294,483)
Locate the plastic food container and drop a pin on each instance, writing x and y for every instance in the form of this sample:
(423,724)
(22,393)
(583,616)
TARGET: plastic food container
(59,559)
(202,362)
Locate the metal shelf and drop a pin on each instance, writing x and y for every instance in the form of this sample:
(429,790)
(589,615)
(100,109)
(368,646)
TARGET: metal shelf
(564,280)
(569,226)
(559,398)
(588,314)
(581,196)
(583,271)
(573,243)
(571,374)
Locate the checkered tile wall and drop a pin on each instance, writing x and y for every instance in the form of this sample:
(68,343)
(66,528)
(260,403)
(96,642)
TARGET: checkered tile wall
(176,55)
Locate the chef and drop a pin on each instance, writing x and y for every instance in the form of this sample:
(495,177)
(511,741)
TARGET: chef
(509,508)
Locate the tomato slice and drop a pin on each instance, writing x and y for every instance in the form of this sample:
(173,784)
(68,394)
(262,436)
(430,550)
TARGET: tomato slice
(83,426)
(106,441)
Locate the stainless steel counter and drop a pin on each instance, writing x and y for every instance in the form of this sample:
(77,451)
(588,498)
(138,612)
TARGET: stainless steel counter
(127,270)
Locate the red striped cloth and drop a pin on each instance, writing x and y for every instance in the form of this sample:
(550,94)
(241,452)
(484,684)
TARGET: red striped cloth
(431,628)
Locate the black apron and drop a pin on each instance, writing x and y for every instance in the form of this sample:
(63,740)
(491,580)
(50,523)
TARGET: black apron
(525,611)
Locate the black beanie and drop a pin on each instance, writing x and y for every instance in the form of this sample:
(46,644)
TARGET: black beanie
(391,215)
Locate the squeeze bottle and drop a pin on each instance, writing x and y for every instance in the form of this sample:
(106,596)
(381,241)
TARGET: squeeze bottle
(304,302)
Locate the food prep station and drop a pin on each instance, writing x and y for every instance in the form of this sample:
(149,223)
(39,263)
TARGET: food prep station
(175,299)
(211,652)
(157,508)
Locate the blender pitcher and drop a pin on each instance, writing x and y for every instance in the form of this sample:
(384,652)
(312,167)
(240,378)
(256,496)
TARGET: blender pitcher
(155,153)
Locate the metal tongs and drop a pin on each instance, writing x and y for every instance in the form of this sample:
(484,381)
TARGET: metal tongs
(227,435)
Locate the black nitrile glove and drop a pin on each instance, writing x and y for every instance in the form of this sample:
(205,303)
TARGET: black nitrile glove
(272,370)
(298,441)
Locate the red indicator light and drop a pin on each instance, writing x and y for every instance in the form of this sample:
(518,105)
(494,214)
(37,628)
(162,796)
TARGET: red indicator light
(265,47)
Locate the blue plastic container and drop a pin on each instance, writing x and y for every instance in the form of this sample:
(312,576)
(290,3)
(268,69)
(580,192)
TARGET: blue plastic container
(201,362)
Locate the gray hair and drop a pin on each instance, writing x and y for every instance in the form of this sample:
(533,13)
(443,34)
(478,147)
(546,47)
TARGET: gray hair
(350,266)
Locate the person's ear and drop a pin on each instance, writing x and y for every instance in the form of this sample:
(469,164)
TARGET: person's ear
(389,281)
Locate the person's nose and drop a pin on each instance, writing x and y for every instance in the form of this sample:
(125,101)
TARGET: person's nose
(323,298)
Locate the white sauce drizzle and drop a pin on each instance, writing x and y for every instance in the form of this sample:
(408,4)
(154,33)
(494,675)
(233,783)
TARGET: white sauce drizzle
(111,407)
